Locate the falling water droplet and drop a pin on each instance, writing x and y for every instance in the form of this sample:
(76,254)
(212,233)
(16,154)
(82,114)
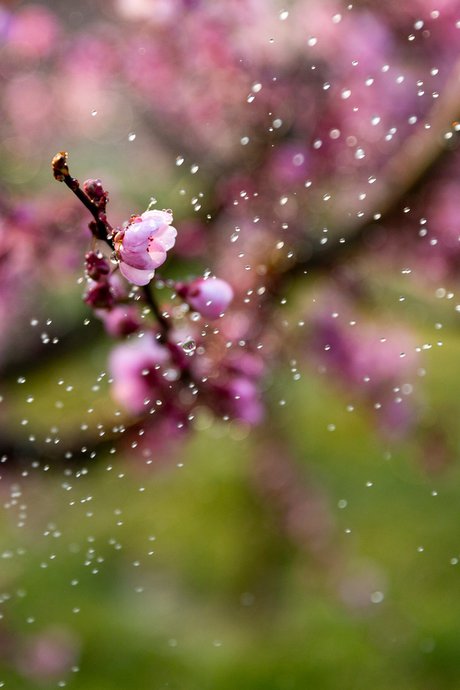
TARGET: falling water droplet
(188,345)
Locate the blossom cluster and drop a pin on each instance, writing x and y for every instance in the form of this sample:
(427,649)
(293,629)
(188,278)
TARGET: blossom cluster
(176,360)
(283,126)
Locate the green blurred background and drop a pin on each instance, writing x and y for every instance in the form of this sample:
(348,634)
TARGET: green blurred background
(185,575)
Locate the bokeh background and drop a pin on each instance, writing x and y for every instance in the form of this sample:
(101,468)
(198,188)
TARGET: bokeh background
(309,152)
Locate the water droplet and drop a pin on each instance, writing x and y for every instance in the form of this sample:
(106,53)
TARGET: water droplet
(93,113)
(131,136)
(179,160)
(359,154)
(377,597)
(346,93)
(188,345)
(312,41)
(284,14)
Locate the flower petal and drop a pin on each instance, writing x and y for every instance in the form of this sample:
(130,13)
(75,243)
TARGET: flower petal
(136,275)
(157,253)
(166,236)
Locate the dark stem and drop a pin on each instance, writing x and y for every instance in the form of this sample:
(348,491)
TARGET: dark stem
(102,229)
(162,320)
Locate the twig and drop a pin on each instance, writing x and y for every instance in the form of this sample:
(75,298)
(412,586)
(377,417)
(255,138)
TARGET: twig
(102,230)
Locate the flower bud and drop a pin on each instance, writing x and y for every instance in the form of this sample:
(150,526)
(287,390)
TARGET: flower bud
(120,321)
(208,296)
(100,295)
(96,265)
(94,190)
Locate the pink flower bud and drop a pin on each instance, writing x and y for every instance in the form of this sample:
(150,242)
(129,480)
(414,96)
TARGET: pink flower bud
(208,296)
(144,244)
(93,188)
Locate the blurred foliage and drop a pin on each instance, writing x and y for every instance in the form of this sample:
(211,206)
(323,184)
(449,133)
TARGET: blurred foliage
(335,566)
(179,577)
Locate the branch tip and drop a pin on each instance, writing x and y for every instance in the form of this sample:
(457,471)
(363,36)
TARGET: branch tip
(59,166)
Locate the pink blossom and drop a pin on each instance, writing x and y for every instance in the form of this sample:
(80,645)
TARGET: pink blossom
(120,321)
(208,296)
(143,245)
(135,368)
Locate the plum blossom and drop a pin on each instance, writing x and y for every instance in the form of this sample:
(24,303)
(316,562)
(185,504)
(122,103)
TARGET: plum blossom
(143,245)
(120,321)
(208,296)
(135,368)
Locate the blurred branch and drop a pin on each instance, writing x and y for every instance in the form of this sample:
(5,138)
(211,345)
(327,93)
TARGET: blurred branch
(402,174)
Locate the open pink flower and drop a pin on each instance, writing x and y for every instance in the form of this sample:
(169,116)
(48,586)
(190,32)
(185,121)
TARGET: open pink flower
(143,245)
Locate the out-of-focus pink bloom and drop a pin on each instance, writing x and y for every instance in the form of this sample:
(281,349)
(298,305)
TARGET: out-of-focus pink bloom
(143,245)
(48,655)
(136,371)
(289,164)
(208,296)
(234,393)
(245,400)
(377,369)
(33,32)
(120,321)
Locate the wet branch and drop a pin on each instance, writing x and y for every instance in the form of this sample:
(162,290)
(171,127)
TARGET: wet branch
(402,174)
(102,230)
